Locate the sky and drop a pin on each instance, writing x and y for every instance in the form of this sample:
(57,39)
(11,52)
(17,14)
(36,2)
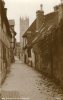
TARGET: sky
(27,8)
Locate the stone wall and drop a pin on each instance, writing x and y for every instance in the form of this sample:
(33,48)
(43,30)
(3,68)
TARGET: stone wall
(49,54)
(58,56)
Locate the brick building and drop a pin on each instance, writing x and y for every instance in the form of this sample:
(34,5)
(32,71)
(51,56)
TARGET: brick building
(43,42)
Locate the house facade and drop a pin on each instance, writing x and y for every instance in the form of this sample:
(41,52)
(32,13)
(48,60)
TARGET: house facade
(44,40)
(29,55)
(13,41)
(5,42)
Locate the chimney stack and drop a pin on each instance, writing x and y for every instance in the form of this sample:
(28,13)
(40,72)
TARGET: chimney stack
(39,18)
(56,8)
(3,3)
(61,1)
(5,11)
(59,10)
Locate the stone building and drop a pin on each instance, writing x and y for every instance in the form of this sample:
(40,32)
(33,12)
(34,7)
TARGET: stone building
(24,24)
(44,41)
(13,41)
(27,38)
(5,39)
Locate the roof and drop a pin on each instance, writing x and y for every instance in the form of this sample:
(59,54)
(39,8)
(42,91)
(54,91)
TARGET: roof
(51,21)
(31,29)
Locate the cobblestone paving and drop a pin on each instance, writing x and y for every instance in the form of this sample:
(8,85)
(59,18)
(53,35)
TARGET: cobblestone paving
(10,94)
(26,83)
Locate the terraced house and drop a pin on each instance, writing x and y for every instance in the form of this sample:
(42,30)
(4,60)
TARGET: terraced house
(13,41)
(43,43)
(5,42)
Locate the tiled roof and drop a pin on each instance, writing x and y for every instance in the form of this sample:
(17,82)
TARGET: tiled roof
(51,20)
(32,28)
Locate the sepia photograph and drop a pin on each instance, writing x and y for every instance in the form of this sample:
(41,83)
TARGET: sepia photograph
(31,49)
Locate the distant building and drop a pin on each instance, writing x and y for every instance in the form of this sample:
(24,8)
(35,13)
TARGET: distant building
(24,24)
(13,41)
(17,49)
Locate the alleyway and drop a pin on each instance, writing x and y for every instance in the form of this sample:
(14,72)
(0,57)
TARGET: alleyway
(29,84)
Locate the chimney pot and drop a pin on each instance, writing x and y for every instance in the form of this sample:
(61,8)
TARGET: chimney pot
(39,18)
(41,7)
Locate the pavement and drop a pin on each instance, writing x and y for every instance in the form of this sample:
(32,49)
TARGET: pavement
(26,83)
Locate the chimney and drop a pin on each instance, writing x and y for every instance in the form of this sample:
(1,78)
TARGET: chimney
(5,11)
(56,8)
(60,11)
(39,18)
(3,2)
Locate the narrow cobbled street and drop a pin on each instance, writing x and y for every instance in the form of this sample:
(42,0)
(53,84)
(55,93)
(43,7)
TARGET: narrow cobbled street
(29,84)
